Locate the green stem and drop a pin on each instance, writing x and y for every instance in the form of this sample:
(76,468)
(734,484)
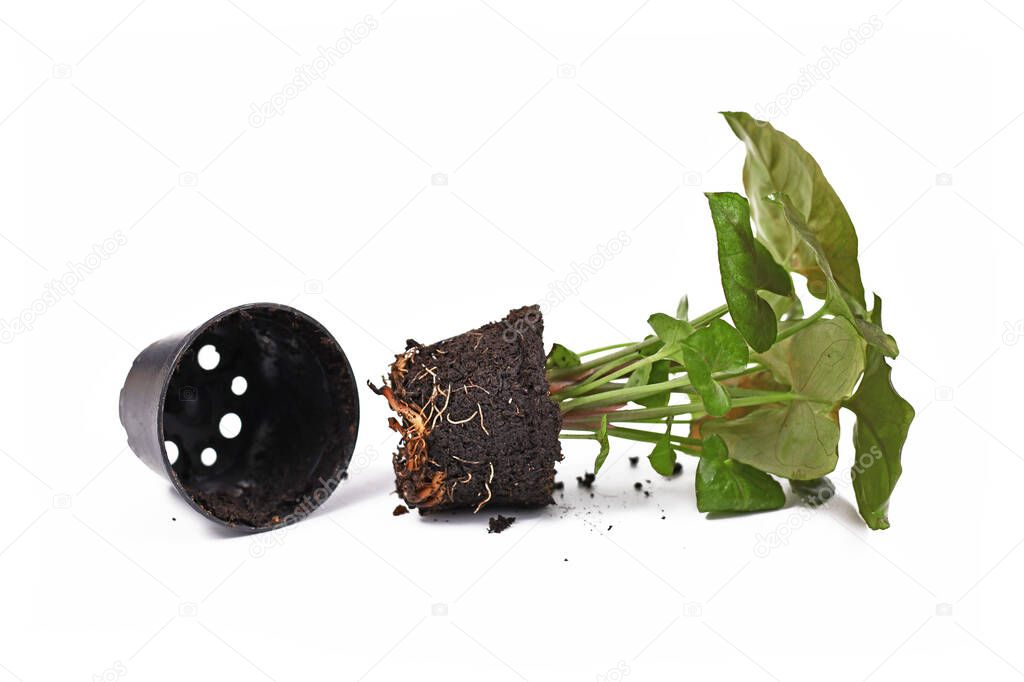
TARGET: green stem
(801,324)
(571,372)
(624,395)
(698,408)
(600,395)
(640,434)
(625,349)
(602,349)
(710,315)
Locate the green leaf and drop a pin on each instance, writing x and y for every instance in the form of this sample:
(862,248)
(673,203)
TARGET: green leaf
(746,268)
(561,357)
(725,485)
(821,362)
(883,421)
(777,163)
(799,439)
(602,437)
(815,492)
(653,348)
(683,309)
(658,374)
(639,377)
(719,345)
(663,457)
(713,348)
(670,330)
(653,373)
(837,301)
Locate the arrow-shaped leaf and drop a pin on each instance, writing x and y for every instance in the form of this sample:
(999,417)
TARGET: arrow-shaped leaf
(725,485)
(838,301)
(602,437)
(746,268)
(777,163)
(883,421)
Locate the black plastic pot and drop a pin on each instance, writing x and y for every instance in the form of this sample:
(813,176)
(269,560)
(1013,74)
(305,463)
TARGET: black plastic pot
(285,378)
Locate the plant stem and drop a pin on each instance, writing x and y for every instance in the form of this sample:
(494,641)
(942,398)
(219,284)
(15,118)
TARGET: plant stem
(800,324)
(710,315)
(602,349)
(624,395)
(698,408)
(595,382)
(571,372)
(625,349)
(602,395)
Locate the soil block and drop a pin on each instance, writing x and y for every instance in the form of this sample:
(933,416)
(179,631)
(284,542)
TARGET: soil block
(478,425)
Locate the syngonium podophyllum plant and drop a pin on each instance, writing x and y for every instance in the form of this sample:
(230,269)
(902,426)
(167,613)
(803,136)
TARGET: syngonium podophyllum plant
(764,392)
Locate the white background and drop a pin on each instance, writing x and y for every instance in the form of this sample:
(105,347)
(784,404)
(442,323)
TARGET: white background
(558,128)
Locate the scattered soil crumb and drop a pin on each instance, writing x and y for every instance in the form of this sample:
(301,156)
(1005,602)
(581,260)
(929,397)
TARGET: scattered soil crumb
(174,518)
(586,480)
(399,510)
(609,527)
(344,475)
(633,461)
(638,485)
(559,485)
(677,469)
(647,493)
(497,524)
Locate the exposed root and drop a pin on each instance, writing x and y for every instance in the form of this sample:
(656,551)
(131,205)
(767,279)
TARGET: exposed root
(470,385)
(462,421)
(417,484)
(481,411)
(487,486)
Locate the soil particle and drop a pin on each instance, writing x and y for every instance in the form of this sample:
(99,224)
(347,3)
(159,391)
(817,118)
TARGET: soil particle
(399,510)
(559,485)
(638,486)
(633,461)
(497,524)
(677,469)
(478,424)
(586,480)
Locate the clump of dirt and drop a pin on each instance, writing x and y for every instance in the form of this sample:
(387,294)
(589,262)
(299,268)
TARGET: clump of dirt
(499,523)
(399,510)
(478,426)
(586,480)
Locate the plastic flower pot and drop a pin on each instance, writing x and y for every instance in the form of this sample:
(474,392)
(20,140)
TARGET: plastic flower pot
(252,416)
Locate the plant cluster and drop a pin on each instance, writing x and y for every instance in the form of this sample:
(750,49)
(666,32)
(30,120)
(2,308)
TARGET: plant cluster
(758,399)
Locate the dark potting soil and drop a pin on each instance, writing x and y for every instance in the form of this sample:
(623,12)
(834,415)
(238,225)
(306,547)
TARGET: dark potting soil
(477,421)
(497,524)
(399,510)
(586,480)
